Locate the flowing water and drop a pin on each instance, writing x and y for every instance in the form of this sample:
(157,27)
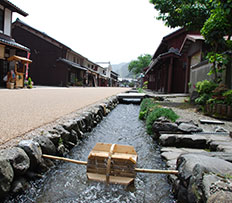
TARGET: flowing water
(67,182)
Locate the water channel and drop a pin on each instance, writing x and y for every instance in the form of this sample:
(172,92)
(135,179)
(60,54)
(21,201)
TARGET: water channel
(67,182)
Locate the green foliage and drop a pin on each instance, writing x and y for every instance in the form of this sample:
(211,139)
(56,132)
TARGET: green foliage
(215,28)
(189,85)
(140,90)
(183,13)
(151,111)
(145,85)
(146,106)
(205,90)
(219,90)
(228,176)
(159,112)
(138,65)
(228,97)
(205,86)
(212,17)
(60,141)
(202,99)
(212,93)
(218,24)
(29,83)
(219,61)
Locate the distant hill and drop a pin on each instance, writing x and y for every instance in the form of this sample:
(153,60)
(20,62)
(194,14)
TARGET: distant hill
(122,70)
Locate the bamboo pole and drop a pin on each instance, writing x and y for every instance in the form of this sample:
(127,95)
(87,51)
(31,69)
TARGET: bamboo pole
(65,159)
(138,170)
(143,170)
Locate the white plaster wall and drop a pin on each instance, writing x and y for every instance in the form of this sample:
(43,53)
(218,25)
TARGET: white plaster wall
(100,70)
(7,23)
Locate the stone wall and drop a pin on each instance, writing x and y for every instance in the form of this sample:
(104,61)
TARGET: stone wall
(23,162)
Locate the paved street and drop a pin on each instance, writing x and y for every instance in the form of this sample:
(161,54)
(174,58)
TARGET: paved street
(23,110)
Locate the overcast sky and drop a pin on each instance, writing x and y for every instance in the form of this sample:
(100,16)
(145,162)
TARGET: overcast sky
(101,30)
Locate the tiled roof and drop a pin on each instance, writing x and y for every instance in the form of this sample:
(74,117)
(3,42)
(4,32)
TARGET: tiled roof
(189,39)
(75,65)
(13,44)
(155,61)
(33,30)
(43,35)
(13,7)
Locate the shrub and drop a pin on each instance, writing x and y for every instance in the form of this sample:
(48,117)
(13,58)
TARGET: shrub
(146,106)
(218,92)
(202,99)
(205,86)
(29,83)
(140,90)
(159,112)
(205,90)
(228,97)
(145,85)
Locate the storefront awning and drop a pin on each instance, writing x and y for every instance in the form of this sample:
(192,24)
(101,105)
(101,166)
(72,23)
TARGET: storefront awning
(172,52)
(75,65)
(13,44)
(19,58)
(93,72)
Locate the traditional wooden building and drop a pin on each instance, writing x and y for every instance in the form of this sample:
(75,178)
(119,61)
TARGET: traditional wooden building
(54,63)
(8,46)
(114,79)
(107,76)
(198,67)
(168,71)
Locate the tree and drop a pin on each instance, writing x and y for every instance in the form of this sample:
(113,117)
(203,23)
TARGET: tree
(138,65)
(217,30)
(183,13)
(212,17)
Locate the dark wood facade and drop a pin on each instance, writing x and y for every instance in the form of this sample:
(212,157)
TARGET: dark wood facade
(168,72)
(47,68)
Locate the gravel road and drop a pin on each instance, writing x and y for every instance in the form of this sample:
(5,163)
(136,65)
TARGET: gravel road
(23,110)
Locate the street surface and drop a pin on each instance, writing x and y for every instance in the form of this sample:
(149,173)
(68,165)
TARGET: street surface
(22,110)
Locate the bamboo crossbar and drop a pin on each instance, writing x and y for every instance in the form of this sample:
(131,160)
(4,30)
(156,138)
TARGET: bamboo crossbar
(138,170)
(65,159)
(143,170)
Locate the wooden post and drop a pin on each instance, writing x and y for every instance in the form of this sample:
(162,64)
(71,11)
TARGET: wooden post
(170,75)
(187,74)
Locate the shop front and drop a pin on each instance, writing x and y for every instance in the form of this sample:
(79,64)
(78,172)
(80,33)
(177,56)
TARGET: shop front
(13,66)
(17,76)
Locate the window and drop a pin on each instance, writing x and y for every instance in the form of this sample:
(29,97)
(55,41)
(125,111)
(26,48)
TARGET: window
(1,19)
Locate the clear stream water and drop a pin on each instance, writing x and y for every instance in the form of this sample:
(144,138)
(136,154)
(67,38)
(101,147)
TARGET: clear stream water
(67,182)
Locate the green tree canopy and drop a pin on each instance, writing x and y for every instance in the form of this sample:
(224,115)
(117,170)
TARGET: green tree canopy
(217,30)
(138,65)
(183,13)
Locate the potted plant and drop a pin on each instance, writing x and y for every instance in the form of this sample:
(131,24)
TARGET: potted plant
(29,83)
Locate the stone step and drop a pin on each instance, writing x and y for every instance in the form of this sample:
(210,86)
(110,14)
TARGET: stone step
(198,141)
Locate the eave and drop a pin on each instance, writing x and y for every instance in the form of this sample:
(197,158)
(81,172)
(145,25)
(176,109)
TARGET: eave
(13,7)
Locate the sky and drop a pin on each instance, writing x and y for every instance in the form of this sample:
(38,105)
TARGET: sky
(113,31)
